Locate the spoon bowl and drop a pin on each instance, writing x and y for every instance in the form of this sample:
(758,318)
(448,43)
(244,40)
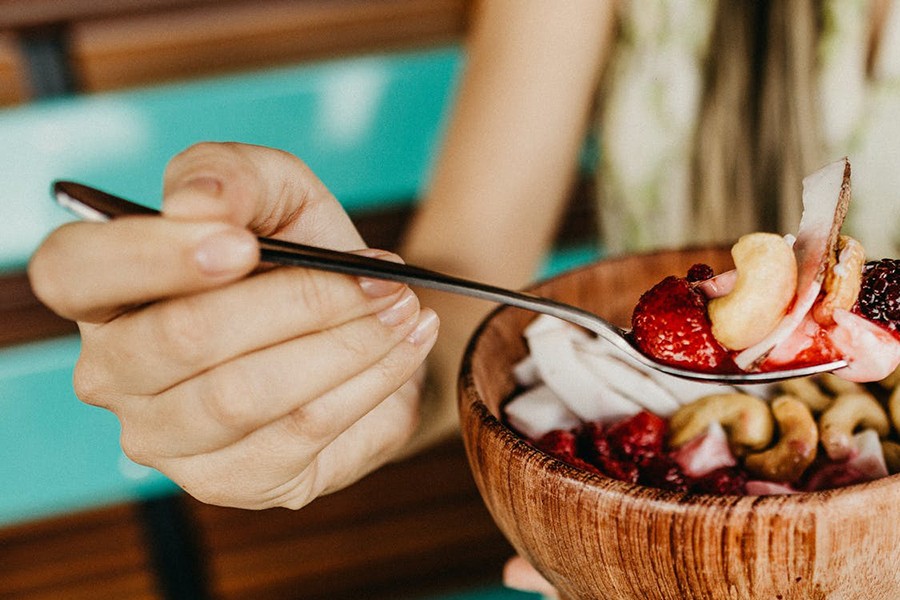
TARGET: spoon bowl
(93,204)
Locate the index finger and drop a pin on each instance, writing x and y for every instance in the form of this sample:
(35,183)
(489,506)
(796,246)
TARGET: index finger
(269,191)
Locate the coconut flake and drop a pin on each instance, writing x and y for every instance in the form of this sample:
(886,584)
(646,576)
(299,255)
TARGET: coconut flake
(584,392)
(826,195)
(525,373)
(600,357)
(538,411)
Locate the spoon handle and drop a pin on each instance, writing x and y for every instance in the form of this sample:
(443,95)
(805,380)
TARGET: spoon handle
(93,204)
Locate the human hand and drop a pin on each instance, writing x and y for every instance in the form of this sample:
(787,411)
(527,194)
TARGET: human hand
(249,387)
(518,574)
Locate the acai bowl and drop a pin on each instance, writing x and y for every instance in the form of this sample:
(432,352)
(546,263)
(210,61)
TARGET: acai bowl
(593,536)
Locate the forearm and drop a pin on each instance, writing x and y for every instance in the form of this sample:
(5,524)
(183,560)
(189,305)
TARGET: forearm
(507,163)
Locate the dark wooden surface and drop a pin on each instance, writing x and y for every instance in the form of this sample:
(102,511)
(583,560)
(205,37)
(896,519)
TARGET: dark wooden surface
(96,554)
(14,86)
(413,527)
(203,40)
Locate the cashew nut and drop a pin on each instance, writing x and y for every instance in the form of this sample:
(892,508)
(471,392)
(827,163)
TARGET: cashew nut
(747,420)
(807,391)
(796,447)
(891,451)
(892,380)
(847,413)
(837,386)
(765,287)
(894,408)
(843,279)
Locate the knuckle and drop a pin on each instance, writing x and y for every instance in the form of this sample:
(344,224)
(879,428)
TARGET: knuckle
(309,291)
(765,286)
(357,344)
(199,479)
(47,279)
(134,444)
(305,423)
(229,401)
(90,382)
(180,328)
(202,157)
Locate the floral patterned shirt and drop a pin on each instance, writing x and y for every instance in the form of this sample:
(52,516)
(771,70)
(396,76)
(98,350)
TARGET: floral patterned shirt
(651,110)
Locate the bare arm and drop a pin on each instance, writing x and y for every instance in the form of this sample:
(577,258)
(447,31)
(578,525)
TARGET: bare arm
(508,159)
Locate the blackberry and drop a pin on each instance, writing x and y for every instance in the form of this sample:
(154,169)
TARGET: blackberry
(879,295)
(699,272)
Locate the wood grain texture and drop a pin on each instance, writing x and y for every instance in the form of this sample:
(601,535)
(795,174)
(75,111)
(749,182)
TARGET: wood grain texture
(95,554)
(598,538)
(413,527)
(206,40)
(42,13)
(14,88)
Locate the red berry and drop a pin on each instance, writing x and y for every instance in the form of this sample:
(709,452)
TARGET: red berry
(622,470)
(699,272)
(727,480)
(592,442)
(670,323)
(558,443)
(638,438)
(563,445)
(879,294)
(664,473)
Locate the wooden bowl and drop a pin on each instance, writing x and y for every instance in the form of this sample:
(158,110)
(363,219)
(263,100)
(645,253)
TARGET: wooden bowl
(595,537)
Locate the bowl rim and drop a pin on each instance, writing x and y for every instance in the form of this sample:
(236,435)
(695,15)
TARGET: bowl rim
(508,437)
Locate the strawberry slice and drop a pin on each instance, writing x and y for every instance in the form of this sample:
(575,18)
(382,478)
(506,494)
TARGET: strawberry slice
(670,324)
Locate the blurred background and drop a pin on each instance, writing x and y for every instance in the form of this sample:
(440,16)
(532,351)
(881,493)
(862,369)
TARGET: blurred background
(105,92)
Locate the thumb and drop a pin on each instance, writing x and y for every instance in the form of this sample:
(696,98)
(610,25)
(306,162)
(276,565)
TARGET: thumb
(269,191)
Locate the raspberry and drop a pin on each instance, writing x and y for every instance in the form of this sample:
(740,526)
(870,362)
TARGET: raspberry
(726,480)
(638,439)
(592,442)
(879,295)
(670,323)
(563,445)
(558,443)
(664,473)
(699,272)
(622,470)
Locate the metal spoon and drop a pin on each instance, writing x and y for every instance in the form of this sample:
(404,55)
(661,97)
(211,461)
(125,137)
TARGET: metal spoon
(92,204)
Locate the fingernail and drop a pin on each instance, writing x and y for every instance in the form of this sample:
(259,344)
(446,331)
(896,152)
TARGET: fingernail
(404,308)
(226,251)
(379,288)
(204,184)
(379,254)
(426,328)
